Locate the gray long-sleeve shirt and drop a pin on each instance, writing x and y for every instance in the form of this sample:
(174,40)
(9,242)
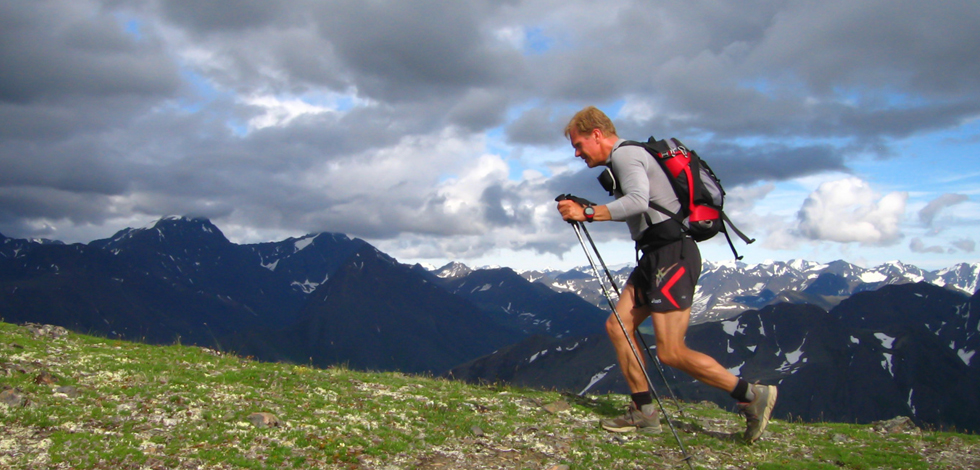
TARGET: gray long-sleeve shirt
(640,180)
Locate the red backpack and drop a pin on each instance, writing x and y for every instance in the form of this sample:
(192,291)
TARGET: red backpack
(697,188)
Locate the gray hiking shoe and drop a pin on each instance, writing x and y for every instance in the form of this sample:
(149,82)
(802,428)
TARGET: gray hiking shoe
(758,410)
(645,420)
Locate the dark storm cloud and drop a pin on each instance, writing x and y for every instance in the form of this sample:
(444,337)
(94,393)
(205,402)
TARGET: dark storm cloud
(24,202)
(538,126)
(750,164)
(223,15)
(493,199)
(477,110)
(408,50)
(854,44)
(50,50)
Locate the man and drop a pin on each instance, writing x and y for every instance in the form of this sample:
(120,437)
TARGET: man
(662,285)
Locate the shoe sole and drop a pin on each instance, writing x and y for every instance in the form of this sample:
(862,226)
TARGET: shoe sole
(645,429)
(767,411)
(619,429)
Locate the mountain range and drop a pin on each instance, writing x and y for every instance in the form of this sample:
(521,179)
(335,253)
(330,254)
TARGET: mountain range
(322,299)
(728,288)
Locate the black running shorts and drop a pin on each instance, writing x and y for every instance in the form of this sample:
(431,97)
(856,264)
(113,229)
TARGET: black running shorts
(666,277)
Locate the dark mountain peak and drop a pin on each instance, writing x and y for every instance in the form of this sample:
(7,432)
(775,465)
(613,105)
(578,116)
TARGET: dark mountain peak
(368,253)
(33,241)
(196,229)
(186,251)
(829,284)
(306,262)
(903,305)
(17,247)
(375,313)
(182,233)
(531,307)
(365,267)
(839,264)
(574,274)
(317,240)
(842,268)
(314,245)
(494,273)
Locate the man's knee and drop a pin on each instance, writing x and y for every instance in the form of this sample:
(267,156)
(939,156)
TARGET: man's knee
(671,356)
(613,328)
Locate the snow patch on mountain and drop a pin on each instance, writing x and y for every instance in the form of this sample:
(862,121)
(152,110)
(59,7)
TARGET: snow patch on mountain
(886,341)
(302,243)
(730,327)
(887,364)
(872,277)
(596,378)
(965,355)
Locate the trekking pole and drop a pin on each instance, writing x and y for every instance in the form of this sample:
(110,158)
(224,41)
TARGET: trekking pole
(612,282)
(578,226)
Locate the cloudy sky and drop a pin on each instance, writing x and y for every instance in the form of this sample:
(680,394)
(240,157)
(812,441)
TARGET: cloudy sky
(842,129)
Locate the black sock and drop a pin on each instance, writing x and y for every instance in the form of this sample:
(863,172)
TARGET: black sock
(741,391)
(642,398)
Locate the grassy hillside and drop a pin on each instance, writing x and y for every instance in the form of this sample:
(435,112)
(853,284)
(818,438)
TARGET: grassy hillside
(76,401)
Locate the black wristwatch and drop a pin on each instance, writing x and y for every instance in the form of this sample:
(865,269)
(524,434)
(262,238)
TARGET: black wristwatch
(589,213)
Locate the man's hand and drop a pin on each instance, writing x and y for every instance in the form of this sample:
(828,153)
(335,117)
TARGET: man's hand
(571,211)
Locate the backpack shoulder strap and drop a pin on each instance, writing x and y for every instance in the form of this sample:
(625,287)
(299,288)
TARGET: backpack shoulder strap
(656,148)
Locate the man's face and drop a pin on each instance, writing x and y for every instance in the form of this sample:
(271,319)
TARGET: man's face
(587,147)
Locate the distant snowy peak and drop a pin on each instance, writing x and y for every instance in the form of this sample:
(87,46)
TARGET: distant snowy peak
(804,265)
(453,270)
(963,276)
(728,288)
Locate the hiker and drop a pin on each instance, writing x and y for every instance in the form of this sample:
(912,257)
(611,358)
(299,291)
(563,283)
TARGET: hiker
(662,285)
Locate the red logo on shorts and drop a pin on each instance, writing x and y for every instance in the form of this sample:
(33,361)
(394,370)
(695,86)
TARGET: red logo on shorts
(665,290)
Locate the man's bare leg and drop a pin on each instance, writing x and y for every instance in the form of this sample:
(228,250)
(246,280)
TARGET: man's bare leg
(632,318)
(755,401)
(642,415)
(670,329)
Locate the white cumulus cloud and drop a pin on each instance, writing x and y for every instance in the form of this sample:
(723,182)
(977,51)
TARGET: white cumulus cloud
(849,210)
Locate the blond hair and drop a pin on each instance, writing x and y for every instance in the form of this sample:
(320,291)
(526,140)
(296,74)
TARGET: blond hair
(590,118)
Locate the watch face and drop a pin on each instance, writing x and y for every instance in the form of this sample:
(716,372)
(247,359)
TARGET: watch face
(589,211)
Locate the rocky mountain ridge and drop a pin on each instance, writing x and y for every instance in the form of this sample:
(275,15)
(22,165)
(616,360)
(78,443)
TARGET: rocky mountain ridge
(728,288)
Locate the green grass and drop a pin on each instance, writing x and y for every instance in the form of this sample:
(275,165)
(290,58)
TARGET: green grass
(142,406)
